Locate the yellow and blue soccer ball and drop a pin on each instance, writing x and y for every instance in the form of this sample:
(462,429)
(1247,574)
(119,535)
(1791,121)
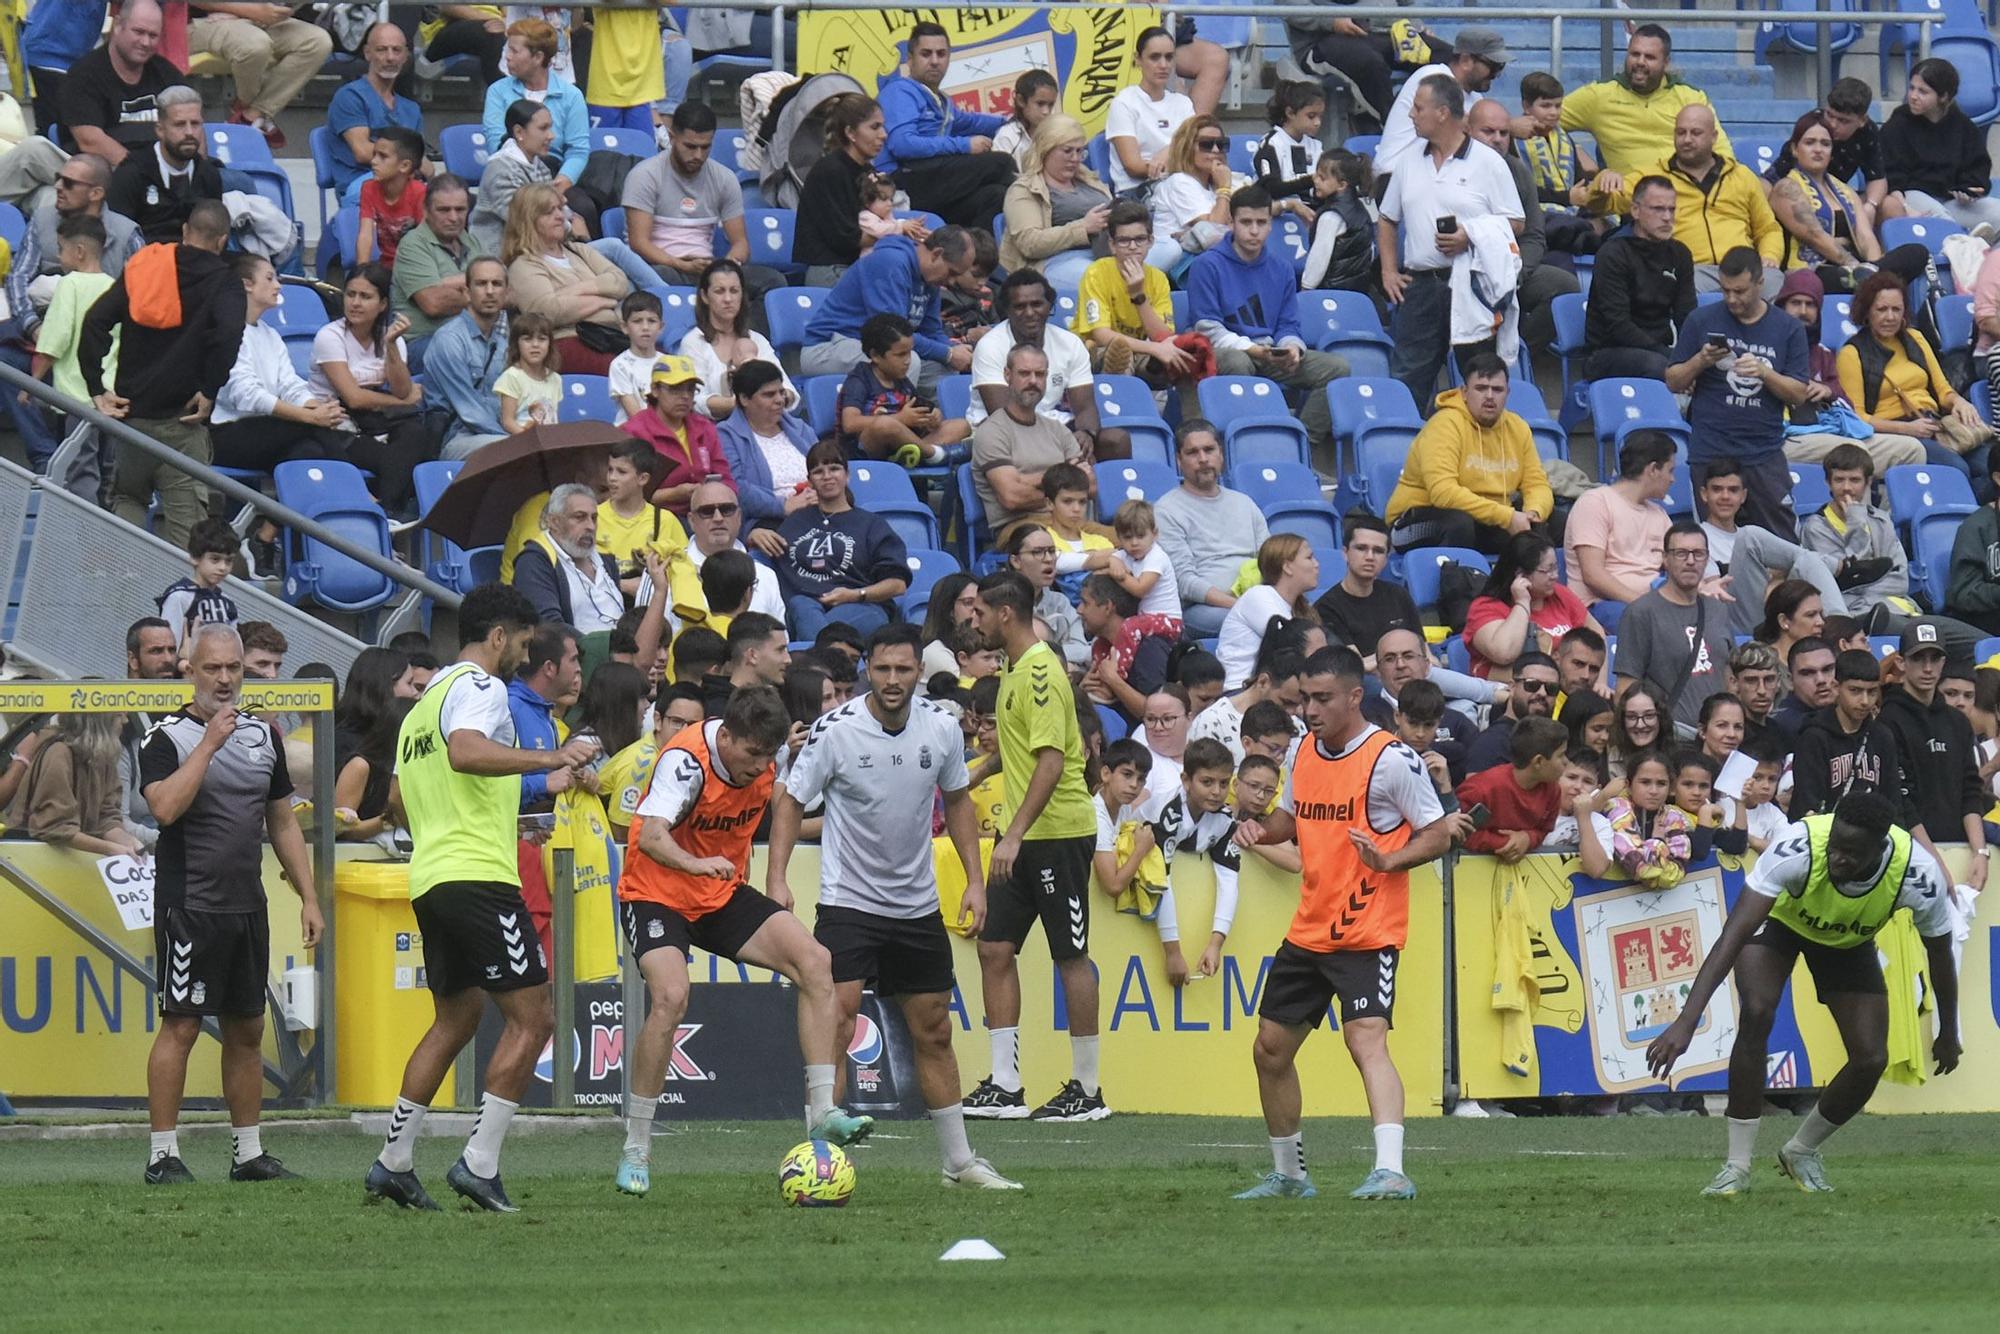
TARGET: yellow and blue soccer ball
(816,1175)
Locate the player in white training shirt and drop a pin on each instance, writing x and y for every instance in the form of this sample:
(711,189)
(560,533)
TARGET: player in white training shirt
(878,764)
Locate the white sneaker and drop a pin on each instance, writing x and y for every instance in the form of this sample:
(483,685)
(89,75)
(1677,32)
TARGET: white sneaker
(979,1173)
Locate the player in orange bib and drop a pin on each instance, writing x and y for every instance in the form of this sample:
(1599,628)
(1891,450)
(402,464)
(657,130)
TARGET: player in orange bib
(1364,812)
(683,886)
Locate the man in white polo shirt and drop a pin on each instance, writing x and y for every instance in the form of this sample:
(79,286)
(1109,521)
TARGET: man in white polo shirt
(1477,57)
(1070,396)
(1422,229)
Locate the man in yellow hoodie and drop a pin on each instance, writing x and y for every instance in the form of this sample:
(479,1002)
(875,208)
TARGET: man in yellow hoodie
(1460,483)
(1719,202)
(1632,116)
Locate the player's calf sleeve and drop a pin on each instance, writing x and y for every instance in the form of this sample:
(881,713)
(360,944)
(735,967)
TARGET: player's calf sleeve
(639,1125)
(1083,1061)
(1389,1147)
(1812,1131)
(819,1093)
(1006,1057)
(1288,1155)
(952,1143)
(1742,1140)
(399,1150)
(489,1132)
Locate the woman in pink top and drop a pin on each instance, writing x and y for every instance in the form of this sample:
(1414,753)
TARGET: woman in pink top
(1523,608)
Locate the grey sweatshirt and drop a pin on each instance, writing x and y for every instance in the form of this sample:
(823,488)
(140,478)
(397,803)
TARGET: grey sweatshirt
(1208,538)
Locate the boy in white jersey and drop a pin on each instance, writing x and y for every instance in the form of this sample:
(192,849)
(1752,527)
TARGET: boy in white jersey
(876,763)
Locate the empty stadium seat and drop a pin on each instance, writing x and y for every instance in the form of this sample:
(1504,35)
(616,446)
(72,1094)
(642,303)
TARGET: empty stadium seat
(1126,402)
(238,146)
(1917,490)
(622,140)
(465,151)
(770,232)
(820,401)
(1269,485)
(334,493)
(1621,406)
(1809,490)
(1835,324)
(1570,345)
(1423,570)
(1524,400)
(1130,479)
(1954,320)
(588,398)
(954,395)
(611,223)
(1346,323)
(1930,562)
(884,489)
(788,310)
(927,566)
(299,310)
(443,559)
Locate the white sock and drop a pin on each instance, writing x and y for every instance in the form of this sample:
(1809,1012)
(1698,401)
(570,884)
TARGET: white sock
(245,1143)
(1006,1058)
(1742,1141)
(399,1151)
(166,1144)
(489,1132)
(1083,1061)
(819,1094)
(1812,1131)
(950,1123)
(639,1126)
(1389,1147)
(1288,1155)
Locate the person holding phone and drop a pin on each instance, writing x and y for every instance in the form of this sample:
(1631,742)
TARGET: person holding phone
(361,360)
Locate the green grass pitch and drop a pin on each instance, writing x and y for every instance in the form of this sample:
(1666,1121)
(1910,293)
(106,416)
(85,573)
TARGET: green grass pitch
(1538,1225)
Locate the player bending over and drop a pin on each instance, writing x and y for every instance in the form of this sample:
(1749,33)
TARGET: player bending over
(878,764)
(683,887)
(1364,811)
(1823,889)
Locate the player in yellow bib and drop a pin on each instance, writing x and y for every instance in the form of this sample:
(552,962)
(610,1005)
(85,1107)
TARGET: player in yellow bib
(459,773)
(1821,891)
(1041,861)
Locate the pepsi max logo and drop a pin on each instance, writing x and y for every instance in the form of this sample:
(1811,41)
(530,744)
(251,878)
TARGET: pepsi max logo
(545,1064)
(866,1046)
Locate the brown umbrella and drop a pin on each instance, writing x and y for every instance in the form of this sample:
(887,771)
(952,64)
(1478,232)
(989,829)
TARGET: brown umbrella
(479,506)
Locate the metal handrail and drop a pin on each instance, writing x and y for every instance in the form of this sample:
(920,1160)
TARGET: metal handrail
(125,433)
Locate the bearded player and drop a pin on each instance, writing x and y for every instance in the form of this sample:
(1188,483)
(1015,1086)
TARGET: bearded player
(1821,892)
(683,886)
(1364,811)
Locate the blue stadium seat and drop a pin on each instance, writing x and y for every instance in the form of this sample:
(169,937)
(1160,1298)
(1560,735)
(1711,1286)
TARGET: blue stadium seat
(334,493)
(238,146)
(636,142)
(1930,233)
(13,226)
(611,223)
(1569,347)
(1985,649)
(1243,152)
(299,310)
(1930,567)
(324,143)
(1180,301)
(1380,472)
(954,396)
(1228,398)
(1621,406)
(820,395)
(1917,490)
(770,232)
(927,566)
(1949,18)
(973,534)
(728,150)
(299,346)
(1835,326)
(1125,401)
(1097,156)
(1130,479)
(464,150)
(345,233)
(1423,570)
(1976,57)
(1315,521)
(1524,400)
(1362,145)
(1269,485)
(1293,239)
(1756,153)
(1809,490)
(1361,408)
(443,559)
(1954,319)
(676,315)
(587,398)
(1112,721)
(1883,645)
(788,310)
(1346,323)
(875,483)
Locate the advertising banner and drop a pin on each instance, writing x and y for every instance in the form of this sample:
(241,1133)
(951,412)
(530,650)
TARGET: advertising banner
(1088,50)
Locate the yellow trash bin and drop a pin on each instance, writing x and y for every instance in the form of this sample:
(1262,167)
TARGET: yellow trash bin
(382,1005)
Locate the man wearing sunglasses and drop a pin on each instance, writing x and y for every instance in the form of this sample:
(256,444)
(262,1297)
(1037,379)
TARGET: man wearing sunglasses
(1532,694)
(79,189)
(715,520)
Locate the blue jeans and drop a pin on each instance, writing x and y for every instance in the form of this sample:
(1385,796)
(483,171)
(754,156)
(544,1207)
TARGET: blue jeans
(809,616)
(1065,270)
(679,59)
(1943,456)
(637,271)
(36,438)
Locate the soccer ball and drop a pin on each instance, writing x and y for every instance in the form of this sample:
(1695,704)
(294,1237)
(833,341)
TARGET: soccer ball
(816,1175)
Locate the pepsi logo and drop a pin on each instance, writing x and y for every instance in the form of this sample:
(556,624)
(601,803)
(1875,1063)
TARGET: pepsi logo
(866,1046)
(545,1064)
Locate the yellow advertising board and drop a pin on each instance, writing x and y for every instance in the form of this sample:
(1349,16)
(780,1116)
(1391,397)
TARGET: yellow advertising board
(1088,50)
(155,696)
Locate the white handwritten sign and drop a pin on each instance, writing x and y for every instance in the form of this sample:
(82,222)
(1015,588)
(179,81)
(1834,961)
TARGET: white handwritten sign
(129,881)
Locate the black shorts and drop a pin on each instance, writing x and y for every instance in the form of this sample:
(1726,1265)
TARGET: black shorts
(1856,970)
(649,926)
(902,956)
(477,933)
(1303,983)
(214,963)
(1051,881)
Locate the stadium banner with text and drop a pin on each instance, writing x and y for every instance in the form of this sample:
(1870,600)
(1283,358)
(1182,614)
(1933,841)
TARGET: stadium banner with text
(1611,964)
(73,1024)
(156,697)
(1089,51)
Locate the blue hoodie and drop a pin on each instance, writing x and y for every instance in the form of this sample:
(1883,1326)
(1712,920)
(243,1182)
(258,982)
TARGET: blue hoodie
(751,469)
(1256,303)
(886,280)
(534,729)
(924,124)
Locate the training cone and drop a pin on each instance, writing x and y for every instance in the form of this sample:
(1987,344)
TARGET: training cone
(972,1248)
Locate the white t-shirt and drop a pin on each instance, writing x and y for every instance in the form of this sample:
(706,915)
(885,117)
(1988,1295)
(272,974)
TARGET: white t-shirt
(1472,183)
(878,786)
(1399,135)
(1177,201)
(1782,869)
(1399,789)
(677,780)
(1243,632)
(1165,599)
(336,342)
(1765,822)
(1133,115)
(633,374)
(715,374)
(1163,784)
(1108,822)
(1069,366)
(475,702)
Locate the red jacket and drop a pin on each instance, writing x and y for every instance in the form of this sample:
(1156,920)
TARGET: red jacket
(1514,809)
(696,460)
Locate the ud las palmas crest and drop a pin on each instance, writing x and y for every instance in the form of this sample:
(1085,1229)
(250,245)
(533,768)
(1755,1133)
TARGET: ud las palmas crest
(1640,949)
